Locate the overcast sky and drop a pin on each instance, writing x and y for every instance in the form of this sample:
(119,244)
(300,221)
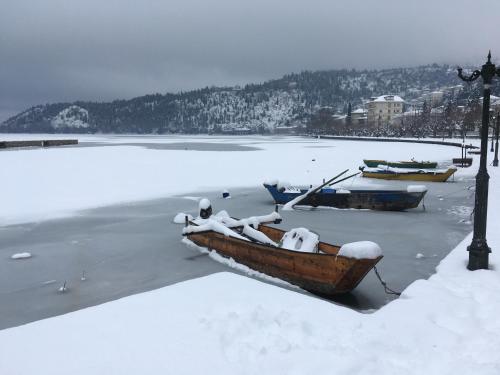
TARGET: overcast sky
(107,49)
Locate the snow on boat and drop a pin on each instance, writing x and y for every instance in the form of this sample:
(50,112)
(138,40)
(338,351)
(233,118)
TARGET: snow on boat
(388,173)
(297,256)
(412,164)
(386,200)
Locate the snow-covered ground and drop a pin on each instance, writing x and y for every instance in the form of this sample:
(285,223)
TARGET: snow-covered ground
(44,183)
(229,324)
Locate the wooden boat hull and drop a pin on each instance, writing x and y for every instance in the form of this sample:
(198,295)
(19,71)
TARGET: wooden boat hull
(411,176)
(322,273)
(385,200)
(401,164)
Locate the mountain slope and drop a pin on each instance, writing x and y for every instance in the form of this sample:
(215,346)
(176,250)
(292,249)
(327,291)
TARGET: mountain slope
(290,100)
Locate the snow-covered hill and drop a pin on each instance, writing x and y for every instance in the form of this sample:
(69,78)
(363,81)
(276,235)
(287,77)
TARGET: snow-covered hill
(257,108)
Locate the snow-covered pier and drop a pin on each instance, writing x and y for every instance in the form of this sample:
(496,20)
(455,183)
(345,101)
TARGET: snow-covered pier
(38,143)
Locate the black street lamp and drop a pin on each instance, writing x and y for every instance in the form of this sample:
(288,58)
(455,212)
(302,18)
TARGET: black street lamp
(478,249)
(497,129)
(492,135)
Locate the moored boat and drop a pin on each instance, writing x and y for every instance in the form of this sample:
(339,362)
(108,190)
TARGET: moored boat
(386,200)
(328,271)
(408,175)
(401,164)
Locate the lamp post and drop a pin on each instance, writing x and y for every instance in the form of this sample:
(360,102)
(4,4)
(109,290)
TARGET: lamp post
(497,129)
(478,249)
(492,134)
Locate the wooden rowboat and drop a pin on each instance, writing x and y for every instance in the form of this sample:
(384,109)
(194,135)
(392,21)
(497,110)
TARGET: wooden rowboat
(323,273)
(420,175)
(401,164)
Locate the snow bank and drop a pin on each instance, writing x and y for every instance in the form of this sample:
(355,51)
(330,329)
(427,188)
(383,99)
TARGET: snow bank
(300,239)
(20,256)
(360,250)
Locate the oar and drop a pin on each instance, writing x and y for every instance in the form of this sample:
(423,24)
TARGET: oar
(345,178)
(326,183)
(311,192)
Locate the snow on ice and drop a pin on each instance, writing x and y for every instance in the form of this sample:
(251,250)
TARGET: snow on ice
(77,178)
(230,324)
(21,256)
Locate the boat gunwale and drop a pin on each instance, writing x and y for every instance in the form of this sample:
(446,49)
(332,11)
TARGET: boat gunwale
(351,191)
(271,247)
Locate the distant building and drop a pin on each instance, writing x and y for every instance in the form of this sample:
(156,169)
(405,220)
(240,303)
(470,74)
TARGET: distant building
(383,109)
(359,116)
(436,98)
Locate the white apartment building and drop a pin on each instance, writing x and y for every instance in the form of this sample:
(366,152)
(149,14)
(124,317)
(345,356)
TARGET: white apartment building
(383,109)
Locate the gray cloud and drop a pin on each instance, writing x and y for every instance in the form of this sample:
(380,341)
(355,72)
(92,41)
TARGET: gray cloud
(63,50)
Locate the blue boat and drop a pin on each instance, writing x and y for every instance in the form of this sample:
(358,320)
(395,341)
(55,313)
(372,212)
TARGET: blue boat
(385,200)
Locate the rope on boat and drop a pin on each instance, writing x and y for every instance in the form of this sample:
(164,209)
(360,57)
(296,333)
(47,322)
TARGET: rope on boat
(384,284)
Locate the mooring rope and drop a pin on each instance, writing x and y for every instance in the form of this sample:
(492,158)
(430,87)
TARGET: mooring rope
(384,284)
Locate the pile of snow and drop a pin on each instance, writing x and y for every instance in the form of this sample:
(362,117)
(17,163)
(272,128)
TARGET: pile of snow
(71,117)
(416,188)
(271,182)
(292,189)
(204,204)
(300,239)
(386,168)
(360,250)
(342,191)
(222,223)
(180,218)
(20,256)
(283,185)
(289,205)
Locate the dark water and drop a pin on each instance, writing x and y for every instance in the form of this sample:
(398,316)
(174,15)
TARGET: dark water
(132,248)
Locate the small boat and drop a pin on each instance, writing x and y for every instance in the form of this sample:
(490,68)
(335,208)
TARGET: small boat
(462,162)
(401,164)
(386,200)
(326,272)
(408,174)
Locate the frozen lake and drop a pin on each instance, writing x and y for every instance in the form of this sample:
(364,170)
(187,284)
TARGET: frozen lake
(131,248)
